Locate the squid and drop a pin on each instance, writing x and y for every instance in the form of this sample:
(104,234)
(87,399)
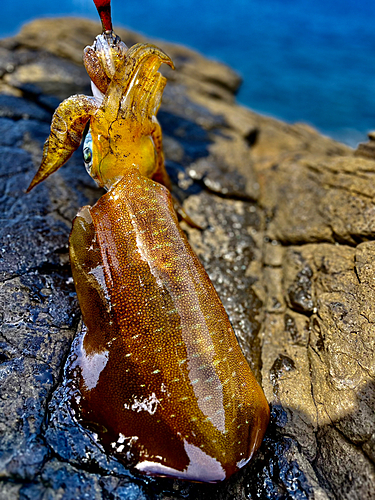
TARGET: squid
(159,374)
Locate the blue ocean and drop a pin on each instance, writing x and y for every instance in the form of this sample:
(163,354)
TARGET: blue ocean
(300,60)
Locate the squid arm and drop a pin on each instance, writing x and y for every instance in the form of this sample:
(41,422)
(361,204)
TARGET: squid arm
(68,124)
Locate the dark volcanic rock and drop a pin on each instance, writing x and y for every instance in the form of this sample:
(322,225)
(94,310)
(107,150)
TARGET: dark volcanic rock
(289,245)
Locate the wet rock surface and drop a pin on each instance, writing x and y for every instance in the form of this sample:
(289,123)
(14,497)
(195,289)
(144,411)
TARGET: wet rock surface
(289,219)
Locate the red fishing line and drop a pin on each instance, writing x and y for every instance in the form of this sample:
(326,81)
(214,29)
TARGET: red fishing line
(104,10)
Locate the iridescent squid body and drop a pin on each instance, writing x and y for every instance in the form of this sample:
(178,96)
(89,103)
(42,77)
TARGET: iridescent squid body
(159,374)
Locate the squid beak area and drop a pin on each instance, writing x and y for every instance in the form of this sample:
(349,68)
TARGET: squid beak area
(104,58)
(110,51)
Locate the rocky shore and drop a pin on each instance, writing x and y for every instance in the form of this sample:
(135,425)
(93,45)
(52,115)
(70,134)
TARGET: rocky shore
(289,218)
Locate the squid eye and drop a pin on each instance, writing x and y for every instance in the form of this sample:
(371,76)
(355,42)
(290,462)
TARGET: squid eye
(87,155)
(87,152)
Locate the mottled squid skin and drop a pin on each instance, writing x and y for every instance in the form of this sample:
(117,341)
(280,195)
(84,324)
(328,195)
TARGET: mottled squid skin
(158,372)
(160,367)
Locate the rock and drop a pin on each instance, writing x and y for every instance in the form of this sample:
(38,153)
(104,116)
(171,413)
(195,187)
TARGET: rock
(289,245)
(335,204)
(367,149)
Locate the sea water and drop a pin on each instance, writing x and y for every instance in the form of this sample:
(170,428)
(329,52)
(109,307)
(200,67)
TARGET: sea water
(300,60)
